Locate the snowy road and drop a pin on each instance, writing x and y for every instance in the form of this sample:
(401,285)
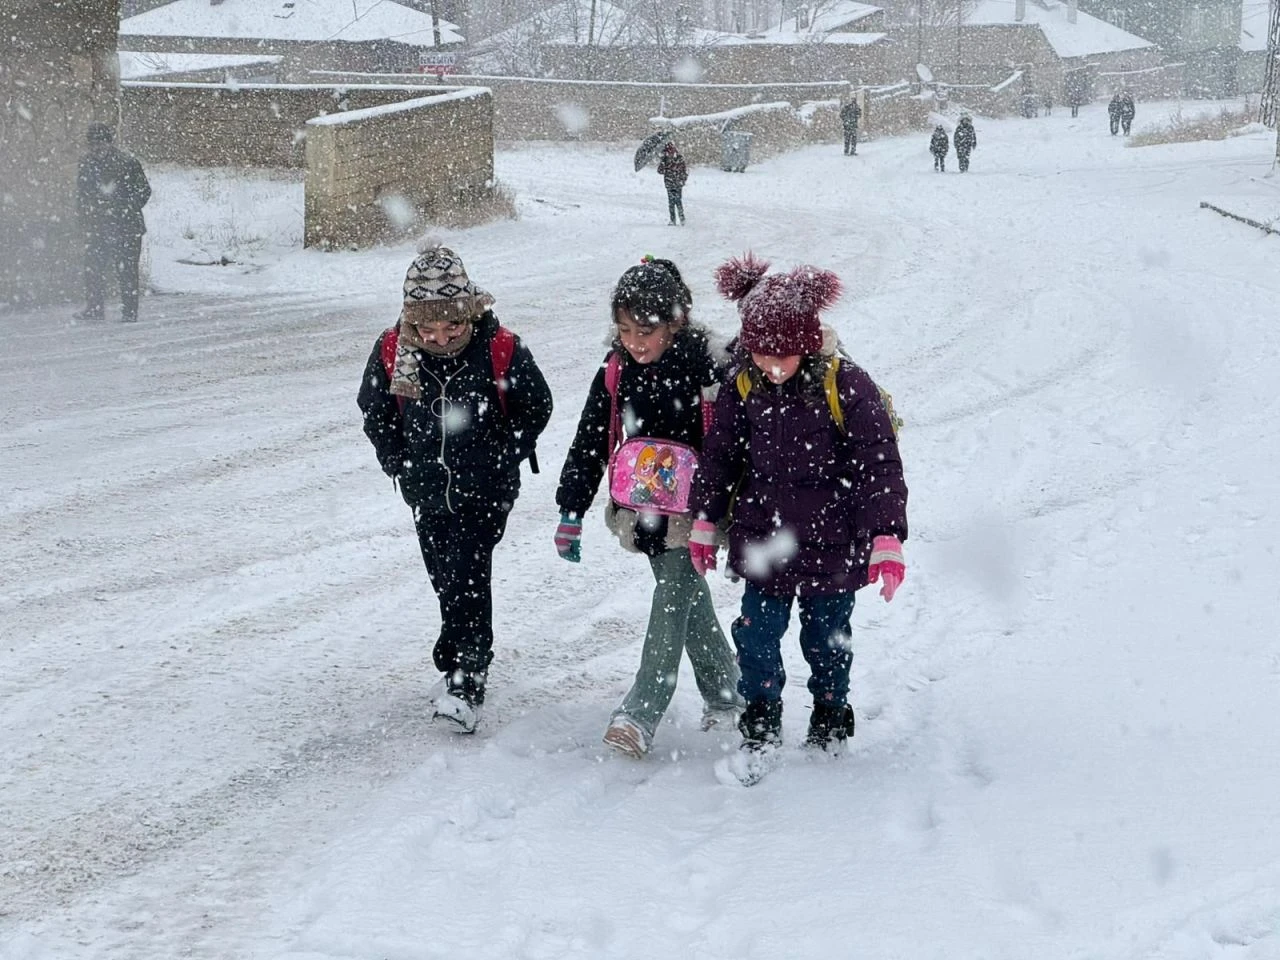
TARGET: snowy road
(212,735)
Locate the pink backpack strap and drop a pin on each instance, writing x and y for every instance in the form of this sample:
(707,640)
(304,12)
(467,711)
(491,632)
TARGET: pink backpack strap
(613,374)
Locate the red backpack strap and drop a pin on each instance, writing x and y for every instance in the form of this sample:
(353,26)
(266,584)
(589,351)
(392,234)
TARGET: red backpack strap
(613,374)
(501,349)
(391,340)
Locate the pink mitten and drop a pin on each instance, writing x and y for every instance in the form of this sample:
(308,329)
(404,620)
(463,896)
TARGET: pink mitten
(702,546)
(887,565)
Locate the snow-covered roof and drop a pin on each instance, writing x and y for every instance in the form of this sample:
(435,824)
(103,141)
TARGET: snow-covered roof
(1086,37)
(566,23)
(836,38)
(830,16)
(1254,18)
(136,66)
(313,21)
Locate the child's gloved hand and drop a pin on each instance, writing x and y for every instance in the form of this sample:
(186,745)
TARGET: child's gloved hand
(702,546)
(887,565)
(569,538)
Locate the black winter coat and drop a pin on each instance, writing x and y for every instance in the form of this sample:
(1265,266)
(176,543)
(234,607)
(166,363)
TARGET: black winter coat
(469,457)
(661,399)
(850,114)
(965,137)
(1127,108)
(111,190)
(939,144)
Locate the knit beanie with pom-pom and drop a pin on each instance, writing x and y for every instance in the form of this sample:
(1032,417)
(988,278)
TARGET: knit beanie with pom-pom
(779,311)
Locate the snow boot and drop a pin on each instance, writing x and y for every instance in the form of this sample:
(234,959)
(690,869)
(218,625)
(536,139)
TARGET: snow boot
(460,700)
(761,723)
(761,749)
(829,727)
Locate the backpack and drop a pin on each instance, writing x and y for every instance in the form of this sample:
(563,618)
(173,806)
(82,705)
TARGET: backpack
(501,349)
(648,474)
(831,390)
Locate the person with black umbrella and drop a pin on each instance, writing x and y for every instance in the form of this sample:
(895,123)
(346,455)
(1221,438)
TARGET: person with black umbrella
(674,174)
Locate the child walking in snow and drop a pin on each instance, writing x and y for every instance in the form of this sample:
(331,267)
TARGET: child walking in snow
(674,173)
(659,372)
(802,447)
(452,403)
(939,144)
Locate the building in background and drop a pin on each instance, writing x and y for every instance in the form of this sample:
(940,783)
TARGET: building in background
(58,73)
(1203,34)
(357,35)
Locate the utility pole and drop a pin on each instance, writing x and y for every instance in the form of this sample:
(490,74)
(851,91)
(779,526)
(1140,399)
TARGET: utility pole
(1268,110)
(959,24)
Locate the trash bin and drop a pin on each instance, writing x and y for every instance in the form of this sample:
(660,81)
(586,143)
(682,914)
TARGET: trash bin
(735,150)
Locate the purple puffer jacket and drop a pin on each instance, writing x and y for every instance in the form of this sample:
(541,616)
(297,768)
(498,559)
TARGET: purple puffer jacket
(811,498)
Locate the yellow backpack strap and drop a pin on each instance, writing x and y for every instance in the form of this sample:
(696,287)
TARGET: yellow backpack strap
(744,383)
(833,394)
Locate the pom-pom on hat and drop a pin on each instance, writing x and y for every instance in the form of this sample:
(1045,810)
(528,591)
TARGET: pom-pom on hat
(653,292)
(436,287)
(779,311)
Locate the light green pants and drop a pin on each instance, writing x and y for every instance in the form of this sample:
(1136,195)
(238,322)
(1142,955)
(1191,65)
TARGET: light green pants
(681,618)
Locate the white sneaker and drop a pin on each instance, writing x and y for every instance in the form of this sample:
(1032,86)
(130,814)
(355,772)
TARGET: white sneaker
(725,718)
(626,736)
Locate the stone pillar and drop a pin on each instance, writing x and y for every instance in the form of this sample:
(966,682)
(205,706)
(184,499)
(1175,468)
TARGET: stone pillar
(58,72)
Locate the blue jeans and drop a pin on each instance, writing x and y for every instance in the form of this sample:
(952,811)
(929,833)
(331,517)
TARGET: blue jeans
(826,639)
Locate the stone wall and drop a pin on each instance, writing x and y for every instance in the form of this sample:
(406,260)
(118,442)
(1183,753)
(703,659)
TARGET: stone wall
(1155,83)
(382,173)
(737,63)
(57,74)
(237,125)
(531,109)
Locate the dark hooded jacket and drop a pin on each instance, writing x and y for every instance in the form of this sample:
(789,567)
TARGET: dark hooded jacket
(850,114)
(662,399)
(806,499)
(939,144)
(965,137)
(111,190)
(454,449)
(673,169)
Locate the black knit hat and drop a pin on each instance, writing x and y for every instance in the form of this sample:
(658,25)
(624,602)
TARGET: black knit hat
(99,133)
(653,292)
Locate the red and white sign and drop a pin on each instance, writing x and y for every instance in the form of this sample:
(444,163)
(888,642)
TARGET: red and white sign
(437,63)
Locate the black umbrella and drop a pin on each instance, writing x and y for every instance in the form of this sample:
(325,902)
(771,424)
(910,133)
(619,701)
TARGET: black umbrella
(650,147)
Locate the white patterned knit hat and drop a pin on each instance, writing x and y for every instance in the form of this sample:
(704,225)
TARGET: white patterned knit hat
(436,287)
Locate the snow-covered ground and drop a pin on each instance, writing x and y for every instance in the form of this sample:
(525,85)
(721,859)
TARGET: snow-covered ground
(213,733)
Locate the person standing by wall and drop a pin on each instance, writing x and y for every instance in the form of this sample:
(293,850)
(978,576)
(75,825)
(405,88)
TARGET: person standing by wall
(850,114)
(111,190)
(1113,112)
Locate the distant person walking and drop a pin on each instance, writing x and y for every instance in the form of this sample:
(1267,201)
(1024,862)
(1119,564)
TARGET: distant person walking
(850,114)
(1113,111)
(111,190)
(1048,104)
(966,140)
(674,176)
(1127,111)
(939,145)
